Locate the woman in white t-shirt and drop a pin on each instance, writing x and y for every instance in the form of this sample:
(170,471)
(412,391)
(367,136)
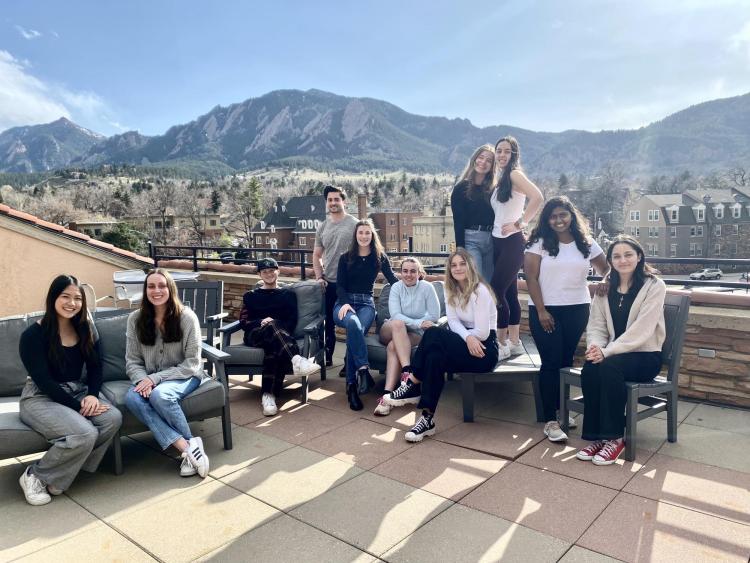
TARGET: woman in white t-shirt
(558,256)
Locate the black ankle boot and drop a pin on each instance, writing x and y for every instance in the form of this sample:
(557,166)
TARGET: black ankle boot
(355,403)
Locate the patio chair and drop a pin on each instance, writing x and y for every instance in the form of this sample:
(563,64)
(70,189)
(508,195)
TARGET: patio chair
(657,396)
(206,299)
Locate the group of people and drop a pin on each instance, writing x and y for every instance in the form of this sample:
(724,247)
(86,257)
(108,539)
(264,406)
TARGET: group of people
(492,205)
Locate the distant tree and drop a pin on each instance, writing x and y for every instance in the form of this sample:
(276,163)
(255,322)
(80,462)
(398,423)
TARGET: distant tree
(376,200)
(246,208)
(124,235)
(563,183)
(215,201)
(739,176)
(160,200)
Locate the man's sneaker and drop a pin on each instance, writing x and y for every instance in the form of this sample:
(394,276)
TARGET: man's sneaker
(54,491)
(425,426)
(572,422)
(33,489)
(197,456)
(304,366)
(516,349)
(365,382)
(269,404)
(187,469)
(503,351)
(382,408)
(588,453)
(342,371)
(553,431)
(609,453)
(407,393)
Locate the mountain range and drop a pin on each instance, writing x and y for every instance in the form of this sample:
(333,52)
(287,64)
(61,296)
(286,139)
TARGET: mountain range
(323,129)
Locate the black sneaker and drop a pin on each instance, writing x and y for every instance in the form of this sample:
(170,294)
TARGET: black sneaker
(407,393)
(329,359)
(425,426)
(365,382)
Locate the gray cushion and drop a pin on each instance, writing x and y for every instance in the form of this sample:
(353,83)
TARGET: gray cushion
(309,304)
(112,342)
(381,307)
(12,373)
(244,355)
(15,437)
(440,290)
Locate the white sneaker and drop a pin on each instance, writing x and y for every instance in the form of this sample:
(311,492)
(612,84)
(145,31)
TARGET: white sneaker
(197,456)
(187,469)
(33,489)
(382,408)
(304,366)
(269,404)
(572,422)
(516,349)
(54,491)
(503,351)
(553,431)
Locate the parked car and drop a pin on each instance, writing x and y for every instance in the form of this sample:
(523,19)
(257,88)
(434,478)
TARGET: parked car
(242,256)
(226,257)
(707,274)
(745,276)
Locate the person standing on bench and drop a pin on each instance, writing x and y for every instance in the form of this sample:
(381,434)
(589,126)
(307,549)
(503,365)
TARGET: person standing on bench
(414,307)
(163,360)
(558,256)
(469,346)
(355,307)
(625,334)
(332,239)
(269,317)
(60,400)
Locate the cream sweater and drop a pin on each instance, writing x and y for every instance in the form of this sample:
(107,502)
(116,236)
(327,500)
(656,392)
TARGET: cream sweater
(644,331)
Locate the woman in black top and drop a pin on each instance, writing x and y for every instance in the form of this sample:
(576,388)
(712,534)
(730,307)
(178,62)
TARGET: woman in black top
(61,401)
(355,307)
(473,216)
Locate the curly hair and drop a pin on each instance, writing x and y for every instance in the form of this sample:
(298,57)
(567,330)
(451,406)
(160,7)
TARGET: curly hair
(578,228)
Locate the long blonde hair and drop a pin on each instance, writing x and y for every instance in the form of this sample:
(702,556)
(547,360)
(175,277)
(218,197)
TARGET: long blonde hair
(455,295)
(485,187)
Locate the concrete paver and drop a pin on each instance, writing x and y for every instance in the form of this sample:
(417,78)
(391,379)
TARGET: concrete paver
(248,447)
(301,424)
(496,437)
(720,418)
(577,554)
(711,447)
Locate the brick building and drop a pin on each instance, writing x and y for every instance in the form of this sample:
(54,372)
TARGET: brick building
(395,228)
(290,226)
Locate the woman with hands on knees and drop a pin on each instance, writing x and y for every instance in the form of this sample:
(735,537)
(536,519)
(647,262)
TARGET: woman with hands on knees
(355,308)
(469,346)
(624,336)
(60,400)
(163,360)
(558,256)
(414,307)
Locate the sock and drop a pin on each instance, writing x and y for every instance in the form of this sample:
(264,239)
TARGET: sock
(427,414)
(407,369)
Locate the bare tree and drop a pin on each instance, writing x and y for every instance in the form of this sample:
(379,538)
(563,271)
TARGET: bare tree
(738,175)
(160,200)
(245,207)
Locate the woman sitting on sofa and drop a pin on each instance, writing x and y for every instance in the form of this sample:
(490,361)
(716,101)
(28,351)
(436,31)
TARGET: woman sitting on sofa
(61,401)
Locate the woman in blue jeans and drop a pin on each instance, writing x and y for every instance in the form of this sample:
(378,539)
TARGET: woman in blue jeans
(355,308)
(163,360)
(473,215)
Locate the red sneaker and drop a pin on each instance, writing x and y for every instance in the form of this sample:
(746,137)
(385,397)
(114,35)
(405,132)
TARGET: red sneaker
(609,453)
(588,453)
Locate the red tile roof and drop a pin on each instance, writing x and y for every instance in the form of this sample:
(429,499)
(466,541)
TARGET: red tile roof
(62,231)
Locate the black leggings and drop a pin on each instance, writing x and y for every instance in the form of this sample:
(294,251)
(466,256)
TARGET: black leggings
(508,262)
(279,348)
(441,351)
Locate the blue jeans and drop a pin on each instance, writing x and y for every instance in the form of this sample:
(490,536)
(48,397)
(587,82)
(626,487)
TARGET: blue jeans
(356,324)
(161,412)
(479,245)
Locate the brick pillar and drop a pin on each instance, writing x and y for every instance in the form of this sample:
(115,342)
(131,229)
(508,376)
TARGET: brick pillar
(362,206)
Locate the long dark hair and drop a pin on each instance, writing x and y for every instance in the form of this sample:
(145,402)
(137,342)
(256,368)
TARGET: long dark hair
(376,247)
(51,325)
(145,325)
(642,272)
(578,228)
(503,184)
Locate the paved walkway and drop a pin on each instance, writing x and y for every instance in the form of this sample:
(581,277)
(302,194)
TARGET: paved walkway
(319,482)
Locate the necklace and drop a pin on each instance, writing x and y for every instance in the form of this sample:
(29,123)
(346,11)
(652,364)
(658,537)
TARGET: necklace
(622,296)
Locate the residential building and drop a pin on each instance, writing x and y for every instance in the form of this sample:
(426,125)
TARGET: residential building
(290,226)
(210,223)
(395,228)
(434,233)
(93,228)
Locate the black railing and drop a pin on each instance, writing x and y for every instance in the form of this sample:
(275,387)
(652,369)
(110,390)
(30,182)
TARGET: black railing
(197,254)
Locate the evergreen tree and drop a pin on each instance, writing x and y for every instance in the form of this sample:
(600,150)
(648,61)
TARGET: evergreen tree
(215,201)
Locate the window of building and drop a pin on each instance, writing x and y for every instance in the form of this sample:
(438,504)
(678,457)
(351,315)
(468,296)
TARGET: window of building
(392,221)
(404,222)
(635,215)
(157,224)
(303,241)
(700,230)
(212,222)
(696,249)
(719,211)
(273,228)
(317,223)
(701,214)
(258,240)
(674,215)
(443,248)
(717,249)
(653,232)
(392,236)
(673,250)
(393,249)
(736,210)
(653,214)
(268,240)
(672,231)
(733,249)
(97,232)
(652,249)
(717,230)
(735,229)
(405,236)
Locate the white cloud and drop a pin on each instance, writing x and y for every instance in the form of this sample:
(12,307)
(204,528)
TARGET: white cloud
(741,40)
(28,33)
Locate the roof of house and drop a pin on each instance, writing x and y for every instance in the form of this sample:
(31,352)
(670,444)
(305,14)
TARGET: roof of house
(61,231)
(285,215)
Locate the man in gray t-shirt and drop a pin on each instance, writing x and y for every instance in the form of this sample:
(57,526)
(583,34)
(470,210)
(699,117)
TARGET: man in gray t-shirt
(332,239)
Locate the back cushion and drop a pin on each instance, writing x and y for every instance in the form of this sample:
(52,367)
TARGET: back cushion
(12,372)
(112,341)
(381,307)
(309,304)
(440,290)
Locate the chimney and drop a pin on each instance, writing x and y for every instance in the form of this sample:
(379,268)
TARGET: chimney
(362,206)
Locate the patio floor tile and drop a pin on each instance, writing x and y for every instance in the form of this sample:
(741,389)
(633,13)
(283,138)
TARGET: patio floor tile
(404,418)
(513,407)
(301,424)
(199,520)
(720,418)
(361,442)
(496,437)
(271,543)
(541,500)
(577,554)
(637,529)
(713,490)
(248,447)
(442,469)
(561,458)
(684,409)
(709,446)
(371,512)
(461,534)
(292,478)
(651,433)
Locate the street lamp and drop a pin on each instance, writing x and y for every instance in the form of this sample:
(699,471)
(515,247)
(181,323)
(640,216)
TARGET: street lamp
(598,221)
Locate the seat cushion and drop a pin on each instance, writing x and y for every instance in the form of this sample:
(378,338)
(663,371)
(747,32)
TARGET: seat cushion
(244,355)
(112,342)
(12,372)
(309,304)
(381,307)
(15,437)
(376,352)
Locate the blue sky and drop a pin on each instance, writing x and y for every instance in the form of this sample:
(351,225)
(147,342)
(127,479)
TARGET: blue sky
(543,65)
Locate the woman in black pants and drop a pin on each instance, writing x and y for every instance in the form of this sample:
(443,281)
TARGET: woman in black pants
(470,345)
(559,254)
(625,335)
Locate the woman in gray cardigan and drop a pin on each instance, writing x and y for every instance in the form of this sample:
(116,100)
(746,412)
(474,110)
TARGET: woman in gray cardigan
(624,337)
(163,360)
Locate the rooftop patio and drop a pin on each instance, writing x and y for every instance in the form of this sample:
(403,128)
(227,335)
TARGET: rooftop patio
(319,482)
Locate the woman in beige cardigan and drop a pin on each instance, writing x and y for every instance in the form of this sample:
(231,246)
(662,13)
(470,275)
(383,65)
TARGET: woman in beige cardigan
(624,337)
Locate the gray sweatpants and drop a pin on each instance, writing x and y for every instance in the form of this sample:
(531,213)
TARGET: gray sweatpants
(77,442)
